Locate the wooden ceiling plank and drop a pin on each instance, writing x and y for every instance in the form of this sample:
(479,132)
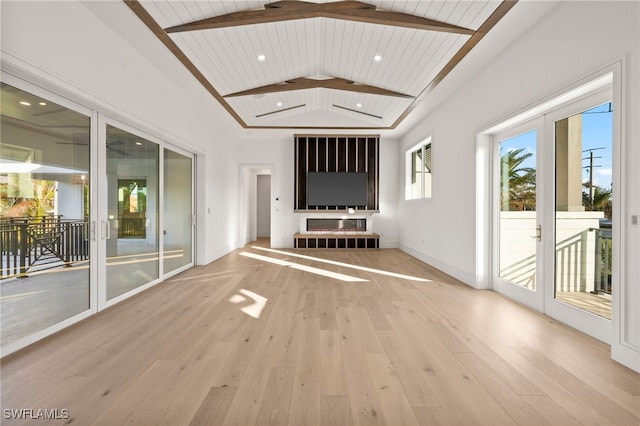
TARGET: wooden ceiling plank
(310,83)
(148,20)
(396,19)
(343,10)
(401,113)
(495,17)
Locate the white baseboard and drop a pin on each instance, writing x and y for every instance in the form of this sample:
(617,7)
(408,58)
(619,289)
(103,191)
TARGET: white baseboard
(389,244)
(218,254)
(626,356)
(465,277)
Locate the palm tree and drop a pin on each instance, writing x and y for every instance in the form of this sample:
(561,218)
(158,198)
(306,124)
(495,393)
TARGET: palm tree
(27,197)
(601,200)
(518,190)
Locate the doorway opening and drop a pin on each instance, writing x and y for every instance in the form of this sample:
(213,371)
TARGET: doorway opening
(256,205)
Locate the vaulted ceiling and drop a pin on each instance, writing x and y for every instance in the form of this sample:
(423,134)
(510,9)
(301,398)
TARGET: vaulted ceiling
(338,65)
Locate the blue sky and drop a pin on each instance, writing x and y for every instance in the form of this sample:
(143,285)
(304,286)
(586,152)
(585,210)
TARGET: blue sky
(597,132)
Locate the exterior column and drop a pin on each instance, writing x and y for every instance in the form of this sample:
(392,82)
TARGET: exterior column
(569,164)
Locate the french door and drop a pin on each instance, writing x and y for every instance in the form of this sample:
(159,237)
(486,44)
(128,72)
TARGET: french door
(518,206)
(553,213)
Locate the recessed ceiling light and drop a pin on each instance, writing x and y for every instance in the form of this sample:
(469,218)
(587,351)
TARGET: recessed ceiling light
(139,143)
(279,104)
(377,58)
(261,58)
(25,103)
(43,103)
(359,105)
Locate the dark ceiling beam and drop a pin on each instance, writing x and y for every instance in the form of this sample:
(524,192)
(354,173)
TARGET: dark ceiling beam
(484,29)
(350,10)
(157,30)
(302,83)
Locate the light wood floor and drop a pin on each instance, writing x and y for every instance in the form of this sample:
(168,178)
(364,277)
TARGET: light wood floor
(385,351)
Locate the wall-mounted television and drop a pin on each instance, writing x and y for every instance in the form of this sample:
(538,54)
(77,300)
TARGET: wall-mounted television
(340,189)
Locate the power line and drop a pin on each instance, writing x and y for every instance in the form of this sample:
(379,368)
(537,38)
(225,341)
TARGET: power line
(590,167)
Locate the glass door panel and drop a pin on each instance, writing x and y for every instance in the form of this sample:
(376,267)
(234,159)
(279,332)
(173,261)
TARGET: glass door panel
(132,198)
(583,213)
(178,211)
(44,214)
(517,222)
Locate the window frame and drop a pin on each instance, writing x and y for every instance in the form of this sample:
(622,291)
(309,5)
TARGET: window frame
(411,172)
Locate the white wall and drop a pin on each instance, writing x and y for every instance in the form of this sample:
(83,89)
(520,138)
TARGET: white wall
(108,61)
(573,41)
(98,54)
(276,148)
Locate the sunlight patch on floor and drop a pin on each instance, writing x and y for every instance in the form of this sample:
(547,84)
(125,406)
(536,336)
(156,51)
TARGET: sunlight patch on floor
(311,269)
(346,265)
(13,296)
(255,309)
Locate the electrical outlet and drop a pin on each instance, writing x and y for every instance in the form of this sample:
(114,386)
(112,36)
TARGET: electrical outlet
(635,219)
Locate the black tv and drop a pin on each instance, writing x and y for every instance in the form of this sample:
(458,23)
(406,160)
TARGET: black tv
(339,189)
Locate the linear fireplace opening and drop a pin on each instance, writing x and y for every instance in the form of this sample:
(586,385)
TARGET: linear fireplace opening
(337,225)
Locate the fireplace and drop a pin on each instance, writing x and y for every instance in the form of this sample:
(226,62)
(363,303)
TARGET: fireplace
(336,225)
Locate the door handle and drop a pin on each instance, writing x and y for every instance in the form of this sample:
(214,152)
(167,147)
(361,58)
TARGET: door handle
(538,235)
(106,229)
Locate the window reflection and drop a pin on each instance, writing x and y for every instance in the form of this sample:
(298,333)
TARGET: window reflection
(584,241)
(132,180)
(44,213)
(178,210)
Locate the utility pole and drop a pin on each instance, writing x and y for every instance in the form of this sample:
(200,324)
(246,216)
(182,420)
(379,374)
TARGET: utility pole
(590,167)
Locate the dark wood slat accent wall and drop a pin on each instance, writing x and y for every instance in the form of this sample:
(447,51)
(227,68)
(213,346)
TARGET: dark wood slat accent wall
(324,153)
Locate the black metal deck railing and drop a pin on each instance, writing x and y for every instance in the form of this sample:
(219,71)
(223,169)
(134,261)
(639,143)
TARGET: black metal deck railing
(29,243)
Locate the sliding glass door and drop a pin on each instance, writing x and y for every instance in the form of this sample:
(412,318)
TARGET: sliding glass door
(132,240)
(81,223)
(45,214)
(178,217)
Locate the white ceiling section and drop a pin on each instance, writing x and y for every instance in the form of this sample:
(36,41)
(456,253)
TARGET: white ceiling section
(320,48)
